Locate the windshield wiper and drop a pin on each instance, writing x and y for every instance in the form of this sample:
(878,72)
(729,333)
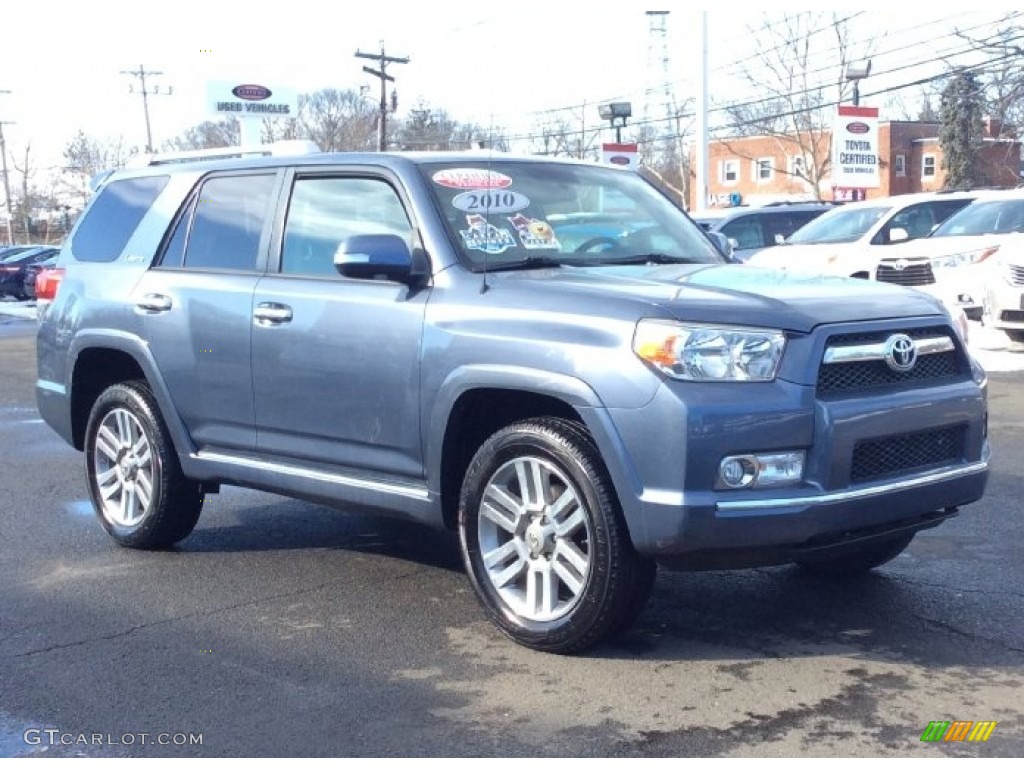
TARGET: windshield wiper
(641,258)
(531,262)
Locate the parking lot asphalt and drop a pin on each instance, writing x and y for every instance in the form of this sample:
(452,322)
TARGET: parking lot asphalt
(281,628)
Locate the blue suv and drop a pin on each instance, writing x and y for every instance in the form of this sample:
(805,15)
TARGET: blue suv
(547,357)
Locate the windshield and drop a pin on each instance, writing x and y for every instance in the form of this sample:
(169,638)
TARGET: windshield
(843,225)
(991,217)
(509,213)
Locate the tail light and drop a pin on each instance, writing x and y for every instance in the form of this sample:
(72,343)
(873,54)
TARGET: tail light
(47,283)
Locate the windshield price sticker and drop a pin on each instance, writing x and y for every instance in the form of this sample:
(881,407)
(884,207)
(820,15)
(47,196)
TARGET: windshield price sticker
(488,201)
(471,178)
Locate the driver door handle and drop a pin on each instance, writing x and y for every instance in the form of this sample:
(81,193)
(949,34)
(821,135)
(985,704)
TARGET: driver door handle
(154,302)
(269,313)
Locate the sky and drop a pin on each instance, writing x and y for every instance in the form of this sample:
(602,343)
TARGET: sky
(510,65)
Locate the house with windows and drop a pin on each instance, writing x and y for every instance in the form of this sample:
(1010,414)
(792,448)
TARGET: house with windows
(758,170)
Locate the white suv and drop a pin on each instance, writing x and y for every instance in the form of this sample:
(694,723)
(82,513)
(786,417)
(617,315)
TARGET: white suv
(842,242)
(976,257)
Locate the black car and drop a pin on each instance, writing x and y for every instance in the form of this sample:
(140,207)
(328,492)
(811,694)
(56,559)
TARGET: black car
(14,268)
(751,229)
(32,272)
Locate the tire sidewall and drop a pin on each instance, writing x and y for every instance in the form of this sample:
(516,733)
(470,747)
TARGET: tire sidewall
(127,398)
(523,442)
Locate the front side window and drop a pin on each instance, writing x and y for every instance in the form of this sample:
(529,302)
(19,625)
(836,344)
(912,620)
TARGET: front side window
(507,213)
(323,212)
(228,220)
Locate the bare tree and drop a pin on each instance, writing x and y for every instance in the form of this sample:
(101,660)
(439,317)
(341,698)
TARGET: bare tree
(85,156)
(1004,76)
(794,95)
(209,134)
(338,120)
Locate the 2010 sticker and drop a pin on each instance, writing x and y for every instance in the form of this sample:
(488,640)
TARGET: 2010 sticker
(490,201)
(484,236)
(534,233)
(471,178)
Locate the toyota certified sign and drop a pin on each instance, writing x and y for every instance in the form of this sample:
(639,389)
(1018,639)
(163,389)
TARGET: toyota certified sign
(249,99)
(855,148)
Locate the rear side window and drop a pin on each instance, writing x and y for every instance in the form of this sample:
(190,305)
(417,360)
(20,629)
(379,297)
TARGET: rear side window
(227,224)
(114,216)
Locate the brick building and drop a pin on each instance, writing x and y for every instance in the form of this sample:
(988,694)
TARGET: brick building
(765,169)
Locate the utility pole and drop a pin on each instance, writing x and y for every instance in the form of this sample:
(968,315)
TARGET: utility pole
(702,159)
(141,73)
(7,185)
(383,61)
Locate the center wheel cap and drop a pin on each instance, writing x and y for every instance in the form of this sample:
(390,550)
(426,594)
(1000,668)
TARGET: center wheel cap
(537,539)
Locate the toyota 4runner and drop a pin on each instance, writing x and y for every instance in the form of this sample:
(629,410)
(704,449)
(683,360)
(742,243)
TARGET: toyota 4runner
(547,357)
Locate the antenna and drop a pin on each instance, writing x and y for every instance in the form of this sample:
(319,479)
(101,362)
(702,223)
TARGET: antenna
(484,287)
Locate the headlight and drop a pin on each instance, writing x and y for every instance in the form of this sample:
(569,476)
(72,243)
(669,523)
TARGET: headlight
(954,260)
(709,353)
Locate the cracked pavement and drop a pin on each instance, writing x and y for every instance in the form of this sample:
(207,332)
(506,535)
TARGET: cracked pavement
(281,628)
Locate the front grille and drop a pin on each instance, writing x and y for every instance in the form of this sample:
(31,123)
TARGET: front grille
(912,274)
(869,374)
(888,455)
(1016,274)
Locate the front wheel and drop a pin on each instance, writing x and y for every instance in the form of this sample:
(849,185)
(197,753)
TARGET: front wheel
(137,487)
(543,539)
(858,560)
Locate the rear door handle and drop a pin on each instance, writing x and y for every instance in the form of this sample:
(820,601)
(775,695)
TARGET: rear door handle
(269,313)
(154,302)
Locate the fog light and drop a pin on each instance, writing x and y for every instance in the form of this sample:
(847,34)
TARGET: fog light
(737,471)
(761,470)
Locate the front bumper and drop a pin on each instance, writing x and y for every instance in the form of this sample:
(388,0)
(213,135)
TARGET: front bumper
(1006,304)
(850,488)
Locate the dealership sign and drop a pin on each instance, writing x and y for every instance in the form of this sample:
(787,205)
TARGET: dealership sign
(855,148)
(620,154)
(248,99)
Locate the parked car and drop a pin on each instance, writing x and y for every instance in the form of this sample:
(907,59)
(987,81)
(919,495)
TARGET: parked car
(751,230)
(956,259)
(14,268)
(409,334)
(851,239)
(32,272)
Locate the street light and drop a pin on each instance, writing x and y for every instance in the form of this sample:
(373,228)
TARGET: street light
(855,72)
(616,113)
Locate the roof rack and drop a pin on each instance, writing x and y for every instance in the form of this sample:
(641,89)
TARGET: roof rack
(279,148)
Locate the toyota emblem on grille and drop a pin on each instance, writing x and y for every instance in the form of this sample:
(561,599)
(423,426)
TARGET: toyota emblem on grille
(900,352)
(900,265)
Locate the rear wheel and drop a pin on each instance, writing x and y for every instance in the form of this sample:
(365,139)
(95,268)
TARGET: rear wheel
(857,560)
(137,487)
(543,539)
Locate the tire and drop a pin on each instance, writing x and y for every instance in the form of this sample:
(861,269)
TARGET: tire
(135,481)
(859,560)
(553,567)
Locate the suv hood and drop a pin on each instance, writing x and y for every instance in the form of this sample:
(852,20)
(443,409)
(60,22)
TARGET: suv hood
(729,294)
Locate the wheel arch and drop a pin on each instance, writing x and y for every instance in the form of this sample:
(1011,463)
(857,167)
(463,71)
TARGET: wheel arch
(476,402)
(100,360)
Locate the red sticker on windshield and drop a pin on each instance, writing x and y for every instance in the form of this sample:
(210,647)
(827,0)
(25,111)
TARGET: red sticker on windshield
(471,178)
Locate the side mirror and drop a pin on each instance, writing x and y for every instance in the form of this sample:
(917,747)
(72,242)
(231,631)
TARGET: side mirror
(898,235)
(373,257)
(721,242)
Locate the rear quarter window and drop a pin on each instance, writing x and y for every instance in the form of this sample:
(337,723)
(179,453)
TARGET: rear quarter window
(114,216)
